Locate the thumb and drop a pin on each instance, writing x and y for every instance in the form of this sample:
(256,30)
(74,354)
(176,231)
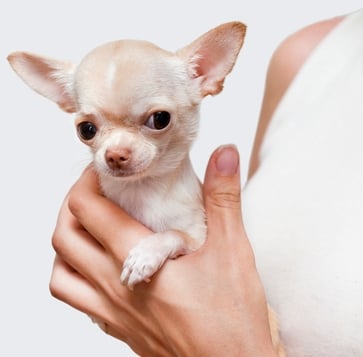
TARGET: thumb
(222,195)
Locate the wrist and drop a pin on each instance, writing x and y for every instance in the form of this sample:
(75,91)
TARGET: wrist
(209,333)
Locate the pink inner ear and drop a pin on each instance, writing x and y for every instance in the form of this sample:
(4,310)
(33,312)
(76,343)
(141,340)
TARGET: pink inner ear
(49,77)
(212,56)
(212,67)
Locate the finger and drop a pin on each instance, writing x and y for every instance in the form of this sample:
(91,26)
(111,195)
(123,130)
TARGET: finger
(70,287)
(222,196)
(78,248)
(112,227)
(222,188)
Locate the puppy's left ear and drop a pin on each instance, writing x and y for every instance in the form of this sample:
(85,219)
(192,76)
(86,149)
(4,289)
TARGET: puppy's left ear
(212,56)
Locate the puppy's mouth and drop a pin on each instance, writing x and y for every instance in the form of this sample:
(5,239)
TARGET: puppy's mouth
(134,172)
(125,173)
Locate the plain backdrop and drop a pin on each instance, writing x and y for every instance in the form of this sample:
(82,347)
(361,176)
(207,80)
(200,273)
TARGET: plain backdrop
(41,156)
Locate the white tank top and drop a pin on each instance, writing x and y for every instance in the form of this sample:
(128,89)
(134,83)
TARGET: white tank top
(303,209)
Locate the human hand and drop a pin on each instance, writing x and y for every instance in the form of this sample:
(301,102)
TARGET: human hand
(204,304)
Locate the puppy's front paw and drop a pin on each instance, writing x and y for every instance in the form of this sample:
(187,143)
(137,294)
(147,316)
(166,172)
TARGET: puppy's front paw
(143,261)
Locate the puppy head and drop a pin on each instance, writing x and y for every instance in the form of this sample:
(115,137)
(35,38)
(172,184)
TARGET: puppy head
(136,105)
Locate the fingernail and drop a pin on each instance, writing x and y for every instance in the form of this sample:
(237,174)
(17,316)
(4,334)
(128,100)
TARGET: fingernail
(227,162)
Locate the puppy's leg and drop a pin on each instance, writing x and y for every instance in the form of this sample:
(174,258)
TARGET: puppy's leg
(150,254)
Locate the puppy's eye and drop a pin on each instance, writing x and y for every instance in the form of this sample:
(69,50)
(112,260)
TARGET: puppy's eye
(158,120)
(87,130)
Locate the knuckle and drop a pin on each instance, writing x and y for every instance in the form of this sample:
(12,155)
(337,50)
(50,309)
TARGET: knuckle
(57,242)
(76,204)
(56,289)
(61,239)
(225,199)
(53,288)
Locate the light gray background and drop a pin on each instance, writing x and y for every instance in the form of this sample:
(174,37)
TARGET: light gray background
(41,157)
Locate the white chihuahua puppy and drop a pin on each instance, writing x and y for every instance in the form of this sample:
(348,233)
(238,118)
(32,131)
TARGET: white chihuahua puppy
(137,108)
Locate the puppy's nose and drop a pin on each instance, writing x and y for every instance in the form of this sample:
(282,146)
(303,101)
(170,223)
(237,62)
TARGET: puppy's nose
(117,158)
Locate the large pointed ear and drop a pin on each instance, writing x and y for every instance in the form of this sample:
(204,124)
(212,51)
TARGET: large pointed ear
(49,77)
(212,56)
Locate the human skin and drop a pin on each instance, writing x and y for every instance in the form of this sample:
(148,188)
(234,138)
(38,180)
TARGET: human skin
(204,304)
(285,63)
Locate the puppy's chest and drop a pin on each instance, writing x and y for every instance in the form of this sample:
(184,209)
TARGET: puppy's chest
(162,209)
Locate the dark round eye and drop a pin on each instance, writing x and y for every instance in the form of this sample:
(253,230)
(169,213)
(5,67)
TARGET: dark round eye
(87,130)
(158,120)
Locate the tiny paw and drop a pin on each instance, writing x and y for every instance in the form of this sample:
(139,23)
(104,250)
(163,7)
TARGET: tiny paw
(143,261)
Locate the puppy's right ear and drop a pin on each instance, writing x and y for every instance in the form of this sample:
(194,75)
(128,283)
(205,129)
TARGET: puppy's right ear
(51,78)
